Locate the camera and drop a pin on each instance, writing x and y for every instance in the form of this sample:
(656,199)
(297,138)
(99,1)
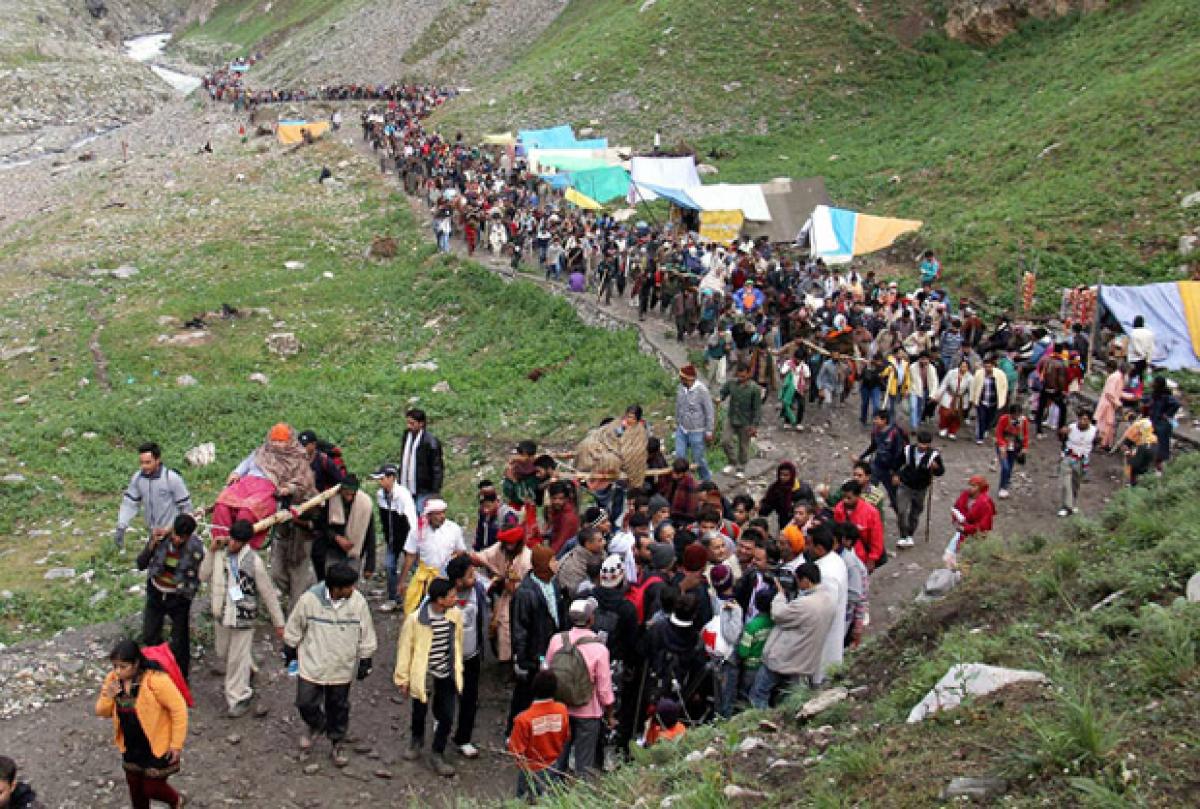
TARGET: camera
(786,579)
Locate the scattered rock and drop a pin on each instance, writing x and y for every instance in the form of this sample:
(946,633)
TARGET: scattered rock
(442,387)
(706,168)
(428,365)
(327,274)
(201,455)
(1193,588)
(13,477)
(1045,152)
(384,774)
(187,338)
(12,353)
(646,6)
(822,702)
(22,400)
(97,597)
(233,738)
(695,755)
(738,793)
(89,435)
(1107,600)
(767,726)
(312,769)
(750,743)
(260,378)
(939,584)
(1188,244)
(669,801)
(382,247)
(1191,199)
(186,381)
(59,573)
(969,679)
(975,788)
(283,344)
(293,265)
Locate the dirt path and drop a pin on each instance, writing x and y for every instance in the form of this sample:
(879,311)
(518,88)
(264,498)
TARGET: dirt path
(68,754)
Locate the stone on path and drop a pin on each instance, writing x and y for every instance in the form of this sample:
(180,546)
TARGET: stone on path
(1191,199)
(939,584)
(283,344)
(822,702)
(59,573)
(976,788)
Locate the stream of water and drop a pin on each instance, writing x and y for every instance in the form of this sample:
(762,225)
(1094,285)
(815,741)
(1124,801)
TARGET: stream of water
(149,47)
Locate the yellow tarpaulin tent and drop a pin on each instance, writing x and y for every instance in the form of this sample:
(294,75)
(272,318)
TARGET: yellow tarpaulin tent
(291,133)
(504,139)
(720,226)
(582,200)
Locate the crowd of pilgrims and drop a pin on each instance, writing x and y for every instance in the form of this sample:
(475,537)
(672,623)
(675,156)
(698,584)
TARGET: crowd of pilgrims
(616,614)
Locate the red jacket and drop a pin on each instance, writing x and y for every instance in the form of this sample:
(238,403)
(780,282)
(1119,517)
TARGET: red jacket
(870,529)
(539,735)
(1017,427)
(977,513)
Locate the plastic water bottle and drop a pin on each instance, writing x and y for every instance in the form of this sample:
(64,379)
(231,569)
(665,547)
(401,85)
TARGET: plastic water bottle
(293,668)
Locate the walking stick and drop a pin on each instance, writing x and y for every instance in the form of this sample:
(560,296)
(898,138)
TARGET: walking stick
(928,511)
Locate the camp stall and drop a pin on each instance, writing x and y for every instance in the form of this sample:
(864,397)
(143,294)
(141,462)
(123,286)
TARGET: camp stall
(791,203)
(292,132)
(1171,311)
(837,235)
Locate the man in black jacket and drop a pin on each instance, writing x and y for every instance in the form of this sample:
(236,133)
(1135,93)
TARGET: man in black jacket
(921,464)
(539,609)
(421,469)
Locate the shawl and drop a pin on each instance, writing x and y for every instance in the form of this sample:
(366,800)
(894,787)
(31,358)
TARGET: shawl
(355,527)
(287,466)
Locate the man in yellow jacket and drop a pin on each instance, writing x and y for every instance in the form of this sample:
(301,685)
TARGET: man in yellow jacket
(430,648)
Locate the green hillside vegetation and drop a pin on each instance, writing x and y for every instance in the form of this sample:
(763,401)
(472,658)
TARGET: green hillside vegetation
(1115,728)
(1068,145)
(238,27)
(207,242)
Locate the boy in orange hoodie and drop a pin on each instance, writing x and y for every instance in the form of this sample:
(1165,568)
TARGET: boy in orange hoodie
(539,735)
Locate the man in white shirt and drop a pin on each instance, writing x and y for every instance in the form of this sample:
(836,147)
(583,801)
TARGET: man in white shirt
(398,516)
(1077,451)
(1140,350)
(837,579)
(435,542)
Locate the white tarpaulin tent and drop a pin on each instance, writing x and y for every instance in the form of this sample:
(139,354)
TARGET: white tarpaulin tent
(665,172)
(748,199)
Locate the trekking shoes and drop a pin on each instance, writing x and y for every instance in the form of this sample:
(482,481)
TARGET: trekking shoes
(338,754)
(905,542)
(1002,494)
(306,739)
(240,709)
(468,750)
(438,763)
(729,470)
(413,752)
(1066,512)
(390,606)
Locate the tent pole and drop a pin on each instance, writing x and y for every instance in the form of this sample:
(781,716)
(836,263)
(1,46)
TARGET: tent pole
(638,191)
(1095,322)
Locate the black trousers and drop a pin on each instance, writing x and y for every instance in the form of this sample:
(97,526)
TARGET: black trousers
(442,697)
(160,605)
(324,708)
(1045,398)
(522,698)
(469,700)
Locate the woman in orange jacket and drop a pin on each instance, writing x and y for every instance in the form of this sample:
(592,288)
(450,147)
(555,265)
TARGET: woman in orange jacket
(150,723)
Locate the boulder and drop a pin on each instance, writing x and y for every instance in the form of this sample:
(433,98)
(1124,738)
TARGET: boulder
(201,455)
(383,247)
(822,702)
(1193,588)
(1191,199)
(983,789)
(59,573)
(939,584)
(986,22)
(97,8)
(1188,244)
(969,679)
(283,344)
(186,380)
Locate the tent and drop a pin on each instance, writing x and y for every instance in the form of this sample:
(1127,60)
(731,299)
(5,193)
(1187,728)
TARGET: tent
(748,199)
(646,173)
(791,203)
(720,226)
(838,235)
(587,203)
(555,137)
(602,184)
(565,159)
(290,132)
(1171,310)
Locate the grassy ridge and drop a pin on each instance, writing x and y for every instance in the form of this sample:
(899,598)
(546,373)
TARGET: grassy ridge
(1116,727)
(242,26)
(357,329)
(933,130)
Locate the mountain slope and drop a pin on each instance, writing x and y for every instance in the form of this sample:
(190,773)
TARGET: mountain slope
(1066,146)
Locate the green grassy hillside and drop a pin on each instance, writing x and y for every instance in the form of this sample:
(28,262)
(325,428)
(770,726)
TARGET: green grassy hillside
(238,27)
(203,241)
(1114,728)
(1068,144)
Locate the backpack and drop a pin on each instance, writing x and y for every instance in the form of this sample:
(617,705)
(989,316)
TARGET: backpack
(605,625)
(637,595)
(164,657)
(335,454)
(571,670)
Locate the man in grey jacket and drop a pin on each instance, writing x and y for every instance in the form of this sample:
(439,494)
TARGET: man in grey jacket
(793,649)
(157,492)
(331,634)
(695,418)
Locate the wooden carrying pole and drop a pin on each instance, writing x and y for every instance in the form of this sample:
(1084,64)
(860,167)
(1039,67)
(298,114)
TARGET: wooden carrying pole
(286,516)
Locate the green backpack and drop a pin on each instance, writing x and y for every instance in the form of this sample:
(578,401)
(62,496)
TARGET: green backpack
(571,671)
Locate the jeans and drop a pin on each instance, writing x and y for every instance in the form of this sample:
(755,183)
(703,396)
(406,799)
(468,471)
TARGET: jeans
(531,784)
(161,605)
(1070,471)
(765,683)
(727,687)
(871,398)
(985,418)
(585,740)
(916,403)
(692,442)
(1006,462)
(391,561)
(469,702)
(442,695)
(909,505)
(443,241)
(324,708)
